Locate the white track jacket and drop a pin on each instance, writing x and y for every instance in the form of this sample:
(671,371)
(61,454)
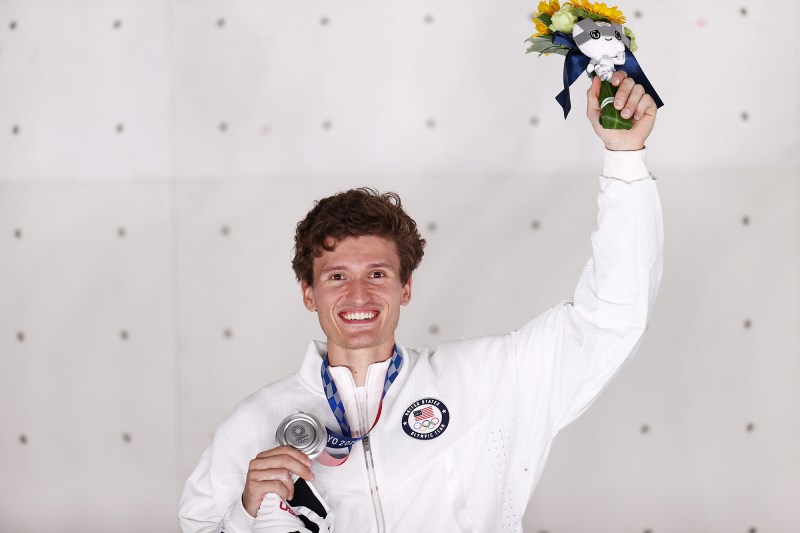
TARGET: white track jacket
(492,404)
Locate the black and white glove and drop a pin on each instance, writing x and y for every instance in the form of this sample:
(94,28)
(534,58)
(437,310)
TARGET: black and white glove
(306,512)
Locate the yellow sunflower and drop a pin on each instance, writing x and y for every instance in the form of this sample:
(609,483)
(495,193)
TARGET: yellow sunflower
(611,13)
(549,7)
(541,28)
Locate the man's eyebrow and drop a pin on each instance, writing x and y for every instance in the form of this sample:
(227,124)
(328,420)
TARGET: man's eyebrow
(387,266)
(331,268)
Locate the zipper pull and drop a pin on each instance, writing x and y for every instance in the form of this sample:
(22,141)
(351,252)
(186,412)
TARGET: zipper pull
(365,442)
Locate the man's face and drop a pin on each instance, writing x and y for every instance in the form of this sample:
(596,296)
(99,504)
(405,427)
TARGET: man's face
(357,294)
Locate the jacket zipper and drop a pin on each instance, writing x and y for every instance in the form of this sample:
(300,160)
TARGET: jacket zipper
(373,486)
(363,416)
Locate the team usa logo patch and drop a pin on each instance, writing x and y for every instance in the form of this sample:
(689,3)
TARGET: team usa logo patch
(426,419)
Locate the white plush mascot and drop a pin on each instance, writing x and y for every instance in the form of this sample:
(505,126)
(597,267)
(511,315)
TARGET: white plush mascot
(604,43)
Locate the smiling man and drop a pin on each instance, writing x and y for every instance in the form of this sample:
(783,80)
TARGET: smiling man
(446,438)
(356,283)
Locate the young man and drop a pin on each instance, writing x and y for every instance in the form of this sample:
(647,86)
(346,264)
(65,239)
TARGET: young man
(463,430)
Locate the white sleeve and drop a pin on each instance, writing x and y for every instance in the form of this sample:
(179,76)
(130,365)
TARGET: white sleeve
(200,513)
(566,356)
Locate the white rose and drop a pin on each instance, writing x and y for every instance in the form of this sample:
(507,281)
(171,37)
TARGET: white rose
(563,20)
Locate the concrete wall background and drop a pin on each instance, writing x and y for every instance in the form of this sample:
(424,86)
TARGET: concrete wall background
(155,156)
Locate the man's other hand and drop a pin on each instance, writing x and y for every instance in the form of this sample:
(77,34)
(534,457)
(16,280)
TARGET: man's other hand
(271,472)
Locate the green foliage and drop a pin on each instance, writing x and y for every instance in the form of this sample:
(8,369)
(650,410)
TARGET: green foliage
(548,37)
(544,45)
(544,17)
(583,14)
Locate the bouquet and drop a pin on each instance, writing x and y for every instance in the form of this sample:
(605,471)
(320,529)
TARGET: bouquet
(593,39)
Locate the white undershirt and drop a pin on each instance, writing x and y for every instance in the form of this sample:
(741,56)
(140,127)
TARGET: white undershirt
(361,395)
(354,398)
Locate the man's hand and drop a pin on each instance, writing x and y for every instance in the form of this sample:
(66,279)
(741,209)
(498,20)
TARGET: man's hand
(271,472)
(635,105)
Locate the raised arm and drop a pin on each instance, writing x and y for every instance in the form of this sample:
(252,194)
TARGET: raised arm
(566,356)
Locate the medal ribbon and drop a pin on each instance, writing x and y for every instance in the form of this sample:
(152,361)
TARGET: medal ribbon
(345,440)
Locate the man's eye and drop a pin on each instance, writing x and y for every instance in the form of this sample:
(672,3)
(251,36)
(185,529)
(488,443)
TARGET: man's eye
(378,274)
(337,277)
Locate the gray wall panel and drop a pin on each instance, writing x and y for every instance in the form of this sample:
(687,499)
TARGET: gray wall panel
(155,157)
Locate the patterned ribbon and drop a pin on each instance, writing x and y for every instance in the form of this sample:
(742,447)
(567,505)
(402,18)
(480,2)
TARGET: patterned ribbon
(575,64)
(345,440)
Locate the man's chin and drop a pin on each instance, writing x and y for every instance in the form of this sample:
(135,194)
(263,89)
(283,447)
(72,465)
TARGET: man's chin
(360,343)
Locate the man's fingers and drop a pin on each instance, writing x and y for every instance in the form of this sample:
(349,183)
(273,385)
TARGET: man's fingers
(646,106)
(284,462)
(279,488)
(633,101)
(618,77)
(254,492)
(285,450)
(623,92)
(277,475)
(271,472)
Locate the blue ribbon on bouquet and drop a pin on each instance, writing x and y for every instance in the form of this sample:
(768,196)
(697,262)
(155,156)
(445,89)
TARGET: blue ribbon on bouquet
(576,62)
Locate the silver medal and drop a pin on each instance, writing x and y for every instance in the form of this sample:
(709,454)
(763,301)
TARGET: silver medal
(303,432)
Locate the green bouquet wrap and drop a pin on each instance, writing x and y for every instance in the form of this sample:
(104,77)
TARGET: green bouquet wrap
(610,117)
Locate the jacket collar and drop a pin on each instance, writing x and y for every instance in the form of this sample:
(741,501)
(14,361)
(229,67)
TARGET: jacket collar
(309,373)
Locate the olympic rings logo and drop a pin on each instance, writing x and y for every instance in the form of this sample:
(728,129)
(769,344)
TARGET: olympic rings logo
(425,419)
(427,425)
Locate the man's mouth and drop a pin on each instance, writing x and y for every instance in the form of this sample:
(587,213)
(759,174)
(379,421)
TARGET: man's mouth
(358,316)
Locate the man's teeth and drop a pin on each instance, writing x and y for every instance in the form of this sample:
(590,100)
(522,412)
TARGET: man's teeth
(359,316)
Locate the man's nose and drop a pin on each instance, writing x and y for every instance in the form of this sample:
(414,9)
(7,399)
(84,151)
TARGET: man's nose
(359,291)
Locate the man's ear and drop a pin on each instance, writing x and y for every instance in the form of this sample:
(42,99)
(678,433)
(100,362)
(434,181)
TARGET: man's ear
(406,297)
(308,296)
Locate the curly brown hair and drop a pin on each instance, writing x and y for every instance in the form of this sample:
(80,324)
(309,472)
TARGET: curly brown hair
(356,213)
